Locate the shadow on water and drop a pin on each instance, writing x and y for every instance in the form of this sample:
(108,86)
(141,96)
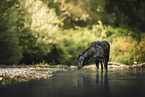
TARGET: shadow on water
(82,83)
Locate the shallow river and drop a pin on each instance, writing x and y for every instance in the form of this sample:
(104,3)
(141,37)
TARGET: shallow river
(83,83)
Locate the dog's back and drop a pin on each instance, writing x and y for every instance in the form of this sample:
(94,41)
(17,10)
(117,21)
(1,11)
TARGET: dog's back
(105,45)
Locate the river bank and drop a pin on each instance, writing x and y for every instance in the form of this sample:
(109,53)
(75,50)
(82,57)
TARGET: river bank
(22,73)
(15,74)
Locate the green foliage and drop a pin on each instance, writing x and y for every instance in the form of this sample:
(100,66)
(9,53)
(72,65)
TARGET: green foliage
(57,31)
(100,31)
(123,42)
(128,12)
(122,50)
(140,50)
(32,26)
(73,42)
(10,51)
(37,26)
(77,12)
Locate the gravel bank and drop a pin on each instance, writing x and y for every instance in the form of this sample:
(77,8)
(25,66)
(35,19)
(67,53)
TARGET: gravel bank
(11,75)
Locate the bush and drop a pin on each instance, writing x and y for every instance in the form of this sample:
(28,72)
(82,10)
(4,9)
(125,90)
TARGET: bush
(140,50)
(123,50)
(28,28)
(10,51)
(37,25)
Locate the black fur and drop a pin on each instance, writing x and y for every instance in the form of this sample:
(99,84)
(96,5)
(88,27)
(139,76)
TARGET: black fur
(97,52)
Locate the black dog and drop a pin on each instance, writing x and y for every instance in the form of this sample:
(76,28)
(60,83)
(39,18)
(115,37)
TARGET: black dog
(96,52)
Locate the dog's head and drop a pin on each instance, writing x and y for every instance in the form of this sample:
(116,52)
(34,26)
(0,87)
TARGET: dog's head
(80,62)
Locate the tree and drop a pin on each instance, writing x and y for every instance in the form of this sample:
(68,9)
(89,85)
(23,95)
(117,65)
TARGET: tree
(10,51)
(28,28)
(77,12)
(37,26)
(127,12)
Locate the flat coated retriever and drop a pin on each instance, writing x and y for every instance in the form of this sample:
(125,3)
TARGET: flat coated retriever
(97,52)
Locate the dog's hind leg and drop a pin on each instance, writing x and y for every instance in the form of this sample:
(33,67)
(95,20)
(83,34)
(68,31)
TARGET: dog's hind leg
(101,65)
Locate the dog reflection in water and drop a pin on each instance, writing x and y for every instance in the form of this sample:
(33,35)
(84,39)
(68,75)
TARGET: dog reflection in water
(94,85)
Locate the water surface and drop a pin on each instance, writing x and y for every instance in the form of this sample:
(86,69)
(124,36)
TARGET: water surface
(83,83)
